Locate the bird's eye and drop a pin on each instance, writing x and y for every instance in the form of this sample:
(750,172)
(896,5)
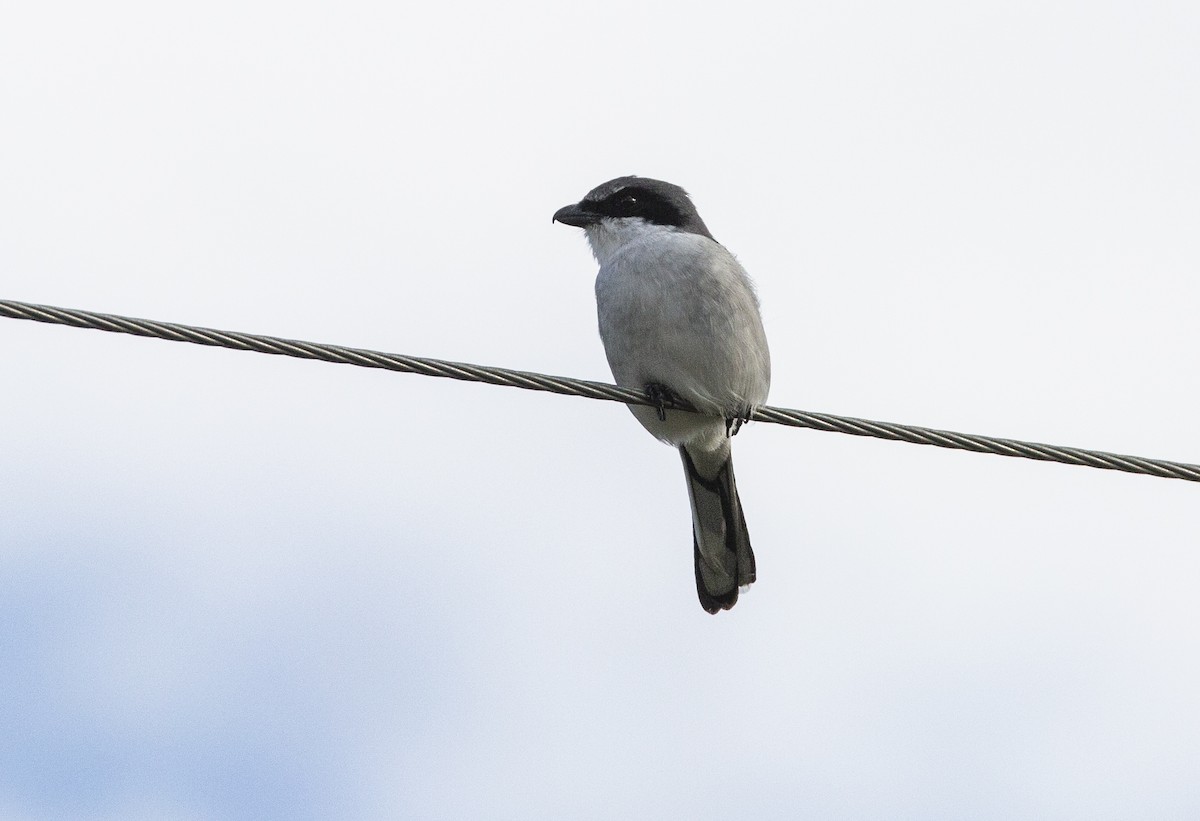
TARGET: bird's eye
(629,199)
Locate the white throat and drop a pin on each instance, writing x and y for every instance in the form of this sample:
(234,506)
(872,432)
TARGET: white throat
(611,234)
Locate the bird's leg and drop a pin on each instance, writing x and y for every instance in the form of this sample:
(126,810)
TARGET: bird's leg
(661,396)
(734,423)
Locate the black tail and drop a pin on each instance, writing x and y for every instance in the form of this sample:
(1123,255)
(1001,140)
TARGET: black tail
(724,559)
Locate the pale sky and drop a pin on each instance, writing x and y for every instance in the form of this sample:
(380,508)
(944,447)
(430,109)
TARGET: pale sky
(239,586)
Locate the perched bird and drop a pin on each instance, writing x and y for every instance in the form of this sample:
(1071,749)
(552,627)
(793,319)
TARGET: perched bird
(679,319)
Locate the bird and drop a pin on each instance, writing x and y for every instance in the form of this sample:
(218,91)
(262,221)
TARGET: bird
(680,319)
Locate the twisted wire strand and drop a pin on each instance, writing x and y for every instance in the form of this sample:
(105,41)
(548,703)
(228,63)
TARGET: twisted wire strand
(588,389)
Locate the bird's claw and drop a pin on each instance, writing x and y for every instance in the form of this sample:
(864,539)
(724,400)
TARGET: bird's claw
(734,423)
(661,396)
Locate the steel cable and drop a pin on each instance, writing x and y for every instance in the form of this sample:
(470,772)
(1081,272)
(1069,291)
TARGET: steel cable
(591,390)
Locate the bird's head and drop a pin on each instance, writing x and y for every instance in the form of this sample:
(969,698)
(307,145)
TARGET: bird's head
(621,210)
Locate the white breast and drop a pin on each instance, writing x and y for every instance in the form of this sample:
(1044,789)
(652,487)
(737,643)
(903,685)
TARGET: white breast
(677,309)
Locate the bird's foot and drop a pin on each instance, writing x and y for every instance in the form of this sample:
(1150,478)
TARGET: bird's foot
(734,423)
(662,397)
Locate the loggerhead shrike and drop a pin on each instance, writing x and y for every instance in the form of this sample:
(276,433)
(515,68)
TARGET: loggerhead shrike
(679,319)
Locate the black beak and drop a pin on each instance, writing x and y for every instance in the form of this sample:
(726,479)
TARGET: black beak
(574,215)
